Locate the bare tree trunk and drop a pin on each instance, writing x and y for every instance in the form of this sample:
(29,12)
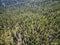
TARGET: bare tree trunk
(19,40)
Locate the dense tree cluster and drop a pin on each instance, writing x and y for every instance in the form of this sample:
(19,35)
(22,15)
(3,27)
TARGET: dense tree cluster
(30,26)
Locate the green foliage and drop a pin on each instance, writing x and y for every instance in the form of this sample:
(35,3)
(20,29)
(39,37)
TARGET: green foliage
(34,25)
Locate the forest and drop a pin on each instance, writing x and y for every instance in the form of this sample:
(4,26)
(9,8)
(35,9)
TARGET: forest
(30,23)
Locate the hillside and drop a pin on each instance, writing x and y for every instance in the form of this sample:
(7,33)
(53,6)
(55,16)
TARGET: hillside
(29,23)
(19,3)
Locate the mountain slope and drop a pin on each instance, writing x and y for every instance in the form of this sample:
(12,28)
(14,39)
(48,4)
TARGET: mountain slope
(32,25)
(9,3)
